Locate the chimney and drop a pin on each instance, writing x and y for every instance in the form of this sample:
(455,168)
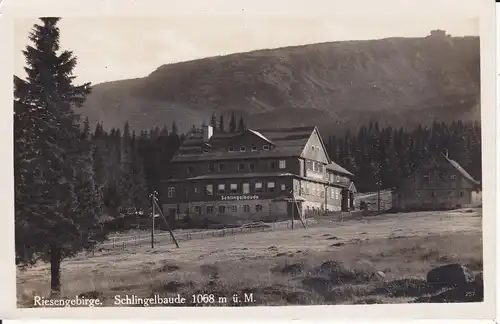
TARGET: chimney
(208,131)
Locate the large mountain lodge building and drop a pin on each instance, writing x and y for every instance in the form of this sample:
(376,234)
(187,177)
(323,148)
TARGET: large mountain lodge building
(255,175)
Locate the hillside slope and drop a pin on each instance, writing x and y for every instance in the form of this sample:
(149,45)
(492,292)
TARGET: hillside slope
(338,85)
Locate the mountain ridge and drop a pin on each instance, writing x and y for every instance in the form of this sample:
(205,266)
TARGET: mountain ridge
(335,85)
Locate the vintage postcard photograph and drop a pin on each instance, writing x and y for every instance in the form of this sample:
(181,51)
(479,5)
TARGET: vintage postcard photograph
(205,160)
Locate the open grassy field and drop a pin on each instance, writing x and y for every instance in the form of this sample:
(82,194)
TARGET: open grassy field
(282,267)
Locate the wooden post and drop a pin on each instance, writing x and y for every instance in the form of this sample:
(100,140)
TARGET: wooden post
(378,197)
(164,220)
(152,220)
(293,208)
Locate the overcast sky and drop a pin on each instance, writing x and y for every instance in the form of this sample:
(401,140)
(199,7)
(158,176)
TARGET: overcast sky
(120,48)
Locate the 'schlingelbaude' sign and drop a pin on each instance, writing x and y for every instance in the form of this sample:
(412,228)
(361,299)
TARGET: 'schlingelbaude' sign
(239,197)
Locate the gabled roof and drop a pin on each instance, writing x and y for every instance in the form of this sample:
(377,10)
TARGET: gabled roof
(287,142)
(453,163)
(260,135)
(323,147)
(337,168)
(459,168)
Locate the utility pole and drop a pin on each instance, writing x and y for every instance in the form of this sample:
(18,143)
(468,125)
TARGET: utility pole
(378,197)
(153,203)
(293,207)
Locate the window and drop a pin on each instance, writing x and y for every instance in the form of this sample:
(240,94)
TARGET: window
(453,177)
(246,188)
(282,164)
(222,166)
(241,166)
(313,166)
(231,149)
(337,178)
(258,186)
(211,167)
(234,209)
(313,147)
(417,193)
(210,209)
(322,193)
(283,187)
(251,166)
(258,208)
(206,150)
(243,149)
(197,210)
(246,208)
(186,192)
(171,192)
(265,147)
(221,188)
(332,195)
(452,194)
(320,167)
(461,193)
(270,186)
(222,209)
(209,190)
(189,169)
(234,187)
(433,194)
(254,148)
(272,164)
(196,190)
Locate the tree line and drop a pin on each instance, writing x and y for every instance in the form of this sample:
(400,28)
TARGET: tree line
(381,157)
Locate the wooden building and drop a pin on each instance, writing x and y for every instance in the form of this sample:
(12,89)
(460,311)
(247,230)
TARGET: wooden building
(439,183)
(255,175)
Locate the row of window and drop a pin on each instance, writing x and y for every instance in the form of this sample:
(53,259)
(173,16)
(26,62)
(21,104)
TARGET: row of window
(265,147)
(234,188)
(318,190)
(222,209)
(221,167)
(440,177)
(314,166)
(451,193)
(253,148)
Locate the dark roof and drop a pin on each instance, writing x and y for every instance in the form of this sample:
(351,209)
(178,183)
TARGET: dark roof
(287,142)
(444,158)
(224,176)
(337,168)
(459,168)
(235,176)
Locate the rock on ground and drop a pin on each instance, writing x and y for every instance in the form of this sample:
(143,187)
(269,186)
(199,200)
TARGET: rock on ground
(453,274)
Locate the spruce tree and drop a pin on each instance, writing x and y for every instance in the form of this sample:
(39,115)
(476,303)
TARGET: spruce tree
(241,125)
(232,123)
(54,219)
(221,123)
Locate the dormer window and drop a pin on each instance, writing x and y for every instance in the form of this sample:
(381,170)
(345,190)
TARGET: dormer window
(231,149)
(254,148)
(243,149)
(265,147)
